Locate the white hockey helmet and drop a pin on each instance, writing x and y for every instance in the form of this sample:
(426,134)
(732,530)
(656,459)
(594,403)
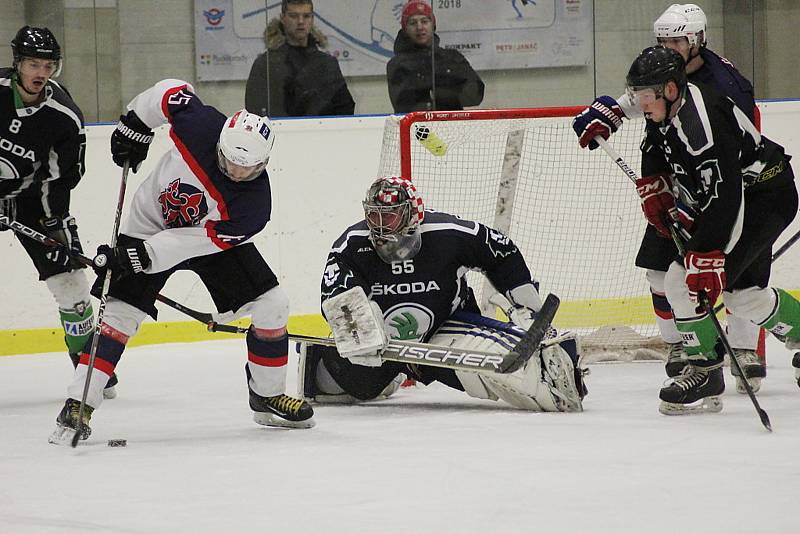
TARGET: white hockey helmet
(245,143)
(682,20)
(394,210)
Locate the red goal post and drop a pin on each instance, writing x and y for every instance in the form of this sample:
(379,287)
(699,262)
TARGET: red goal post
(572,213)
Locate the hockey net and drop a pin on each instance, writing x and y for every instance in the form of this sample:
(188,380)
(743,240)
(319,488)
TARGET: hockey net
(572,213)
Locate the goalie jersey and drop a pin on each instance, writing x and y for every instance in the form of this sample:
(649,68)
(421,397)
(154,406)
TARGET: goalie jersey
(717,158)
(187,207)
(418,295)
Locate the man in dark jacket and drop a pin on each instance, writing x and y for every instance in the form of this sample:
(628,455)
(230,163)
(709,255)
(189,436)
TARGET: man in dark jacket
(413,83)
(293,78)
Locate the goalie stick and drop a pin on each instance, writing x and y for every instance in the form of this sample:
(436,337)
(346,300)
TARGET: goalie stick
(704,302)
(399,351)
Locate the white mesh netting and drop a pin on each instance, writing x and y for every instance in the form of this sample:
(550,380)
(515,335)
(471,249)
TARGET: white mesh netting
(572,212)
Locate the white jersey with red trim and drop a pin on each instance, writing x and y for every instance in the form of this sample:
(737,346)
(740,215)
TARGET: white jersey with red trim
(187,207)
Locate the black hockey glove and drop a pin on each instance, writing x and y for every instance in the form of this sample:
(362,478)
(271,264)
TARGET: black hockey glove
(64,231)
(121,260)
(130,141)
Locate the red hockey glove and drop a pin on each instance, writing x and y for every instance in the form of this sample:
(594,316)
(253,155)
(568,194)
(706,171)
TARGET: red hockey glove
(658,204)
(705,271)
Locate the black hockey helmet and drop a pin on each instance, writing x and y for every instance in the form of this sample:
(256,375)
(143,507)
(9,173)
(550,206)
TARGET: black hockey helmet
(35,42)
(655,66)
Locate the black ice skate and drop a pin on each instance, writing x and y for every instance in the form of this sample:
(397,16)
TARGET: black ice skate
(281,410)
(753,367)
(695,390)
(676,359)
(67,423)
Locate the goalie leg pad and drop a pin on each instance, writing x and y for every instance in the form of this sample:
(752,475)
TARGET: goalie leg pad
(549,381)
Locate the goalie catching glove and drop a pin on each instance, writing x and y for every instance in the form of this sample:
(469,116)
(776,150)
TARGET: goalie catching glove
(121,260)
(130,141)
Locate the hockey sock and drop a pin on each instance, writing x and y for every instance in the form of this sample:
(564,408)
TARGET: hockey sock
(267,356)
(699,337)
(110,347)
(786,316)
(78,324)
(664,318)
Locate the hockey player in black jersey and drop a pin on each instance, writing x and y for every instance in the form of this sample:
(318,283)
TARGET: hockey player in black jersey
(41,162)
(682,27)
(732,191)
(411,263)
(197,211)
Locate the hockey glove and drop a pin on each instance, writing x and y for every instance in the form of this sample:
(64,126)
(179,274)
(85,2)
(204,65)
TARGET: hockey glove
(658,204)
(130,141)
(121,260)
(602,118)
(8,208)
(64,231)
(705,271)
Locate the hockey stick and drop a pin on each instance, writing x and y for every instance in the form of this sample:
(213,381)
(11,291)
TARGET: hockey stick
(422,353)
(400,351)
(206,318)
(101,308)
(704,302)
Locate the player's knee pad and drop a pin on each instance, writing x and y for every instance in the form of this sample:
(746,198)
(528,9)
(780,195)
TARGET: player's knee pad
(270,310)
(69,288)
(123,317)
(754,303)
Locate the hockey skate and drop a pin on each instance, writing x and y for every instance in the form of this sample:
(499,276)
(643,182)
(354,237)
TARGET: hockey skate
(753,369)
(696,390)
(67,423)
(676,359)
(282,411)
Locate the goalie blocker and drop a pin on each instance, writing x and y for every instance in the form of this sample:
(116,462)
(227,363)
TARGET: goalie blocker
(485,358)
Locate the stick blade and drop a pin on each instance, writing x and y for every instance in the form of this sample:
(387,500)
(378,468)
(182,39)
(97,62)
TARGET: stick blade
(533,337)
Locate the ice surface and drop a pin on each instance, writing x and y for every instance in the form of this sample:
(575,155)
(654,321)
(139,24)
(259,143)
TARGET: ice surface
(427,460)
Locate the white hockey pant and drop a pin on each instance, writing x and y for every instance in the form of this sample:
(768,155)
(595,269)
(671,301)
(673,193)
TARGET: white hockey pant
(528,388)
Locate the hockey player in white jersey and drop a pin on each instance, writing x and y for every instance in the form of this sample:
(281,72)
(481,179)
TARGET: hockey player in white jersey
(198,209)
(412,263)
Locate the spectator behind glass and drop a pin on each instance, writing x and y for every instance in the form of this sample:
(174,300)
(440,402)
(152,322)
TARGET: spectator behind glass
(293,78)
(453,86)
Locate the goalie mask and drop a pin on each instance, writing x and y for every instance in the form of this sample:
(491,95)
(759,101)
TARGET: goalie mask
(394,211)
(244,146)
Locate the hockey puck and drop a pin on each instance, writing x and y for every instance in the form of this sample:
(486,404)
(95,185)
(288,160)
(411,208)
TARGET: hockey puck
(117,442)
